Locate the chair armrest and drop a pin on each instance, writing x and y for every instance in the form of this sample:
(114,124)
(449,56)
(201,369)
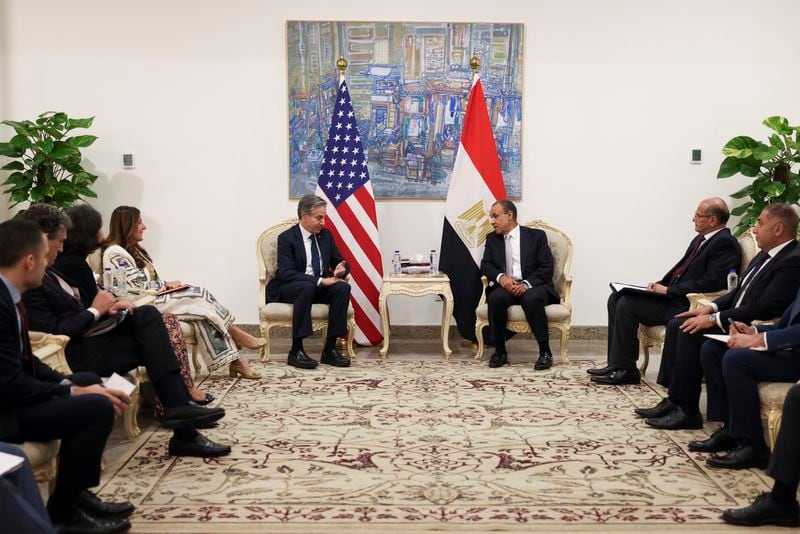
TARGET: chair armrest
(40,339)
(566,298)
(697,300)
(50,349)
(485,284)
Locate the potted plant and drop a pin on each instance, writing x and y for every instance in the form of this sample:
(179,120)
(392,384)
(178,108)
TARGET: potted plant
(772,164)
(47,163)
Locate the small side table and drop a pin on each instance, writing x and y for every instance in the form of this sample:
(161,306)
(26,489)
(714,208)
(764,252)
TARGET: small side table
(417,285)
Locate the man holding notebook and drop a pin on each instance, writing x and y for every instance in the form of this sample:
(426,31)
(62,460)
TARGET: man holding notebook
(703,268)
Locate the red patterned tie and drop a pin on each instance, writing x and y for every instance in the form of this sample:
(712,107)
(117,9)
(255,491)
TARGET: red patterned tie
(683,266)
(27,355)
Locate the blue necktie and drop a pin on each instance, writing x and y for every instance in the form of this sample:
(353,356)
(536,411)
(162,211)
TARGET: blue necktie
(314,255)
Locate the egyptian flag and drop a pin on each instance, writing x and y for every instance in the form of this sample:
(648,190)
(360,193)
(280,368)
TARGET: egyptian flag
(476,183)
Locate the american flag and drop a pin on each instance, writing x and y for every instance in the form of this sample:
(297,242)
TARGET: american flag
(344,181)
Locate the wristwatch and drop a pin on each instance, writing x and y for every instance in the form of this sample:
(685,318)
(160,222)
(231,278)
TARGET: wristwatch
(712,318)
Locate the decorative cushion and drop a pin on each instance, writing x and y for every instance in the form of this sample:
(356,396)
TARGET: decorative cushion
(554,312)
(278,311)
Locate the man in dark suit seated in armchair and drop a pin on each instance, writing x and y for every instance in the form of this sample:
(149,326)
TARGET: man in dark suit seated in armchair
(779,506)
(765,289)
(753,354)
(519,265)
(126,339)
(311,270)
(38,403)
(703,268)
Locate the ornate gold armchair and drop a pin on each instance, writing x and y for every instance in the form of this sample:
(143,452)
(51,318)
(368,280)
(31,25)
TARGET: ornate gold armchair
(558,315)
(653,336)
(280,314)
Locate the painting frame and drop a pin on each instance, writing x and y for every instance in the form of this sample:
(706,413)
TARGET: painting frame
(409,83)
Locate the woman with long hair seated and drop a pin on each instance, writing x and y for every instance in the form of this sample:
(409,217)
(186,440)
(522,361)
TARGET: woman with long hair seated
(220,337)
(83,239)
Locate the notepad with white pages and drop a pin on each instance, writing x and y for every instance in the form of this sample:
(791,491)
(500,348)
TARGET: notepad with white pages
(725,337)
(9,462)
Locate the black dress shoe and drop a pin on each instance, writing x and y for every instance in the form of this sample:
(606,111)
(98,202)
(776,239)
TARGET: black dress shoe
(545,361)
(84,523)
(742,457)
(763,511)
(498,359)
(91,503)
(619,377)
(299,358)
(719,441)
(190,415)
(200,446)
(208,399)
(676,419)
(600,371)
(661,409)
(335,358)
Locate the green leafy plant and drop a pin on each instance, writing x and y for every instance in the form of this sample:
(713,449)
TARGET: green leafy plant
(47,163)
(772,164)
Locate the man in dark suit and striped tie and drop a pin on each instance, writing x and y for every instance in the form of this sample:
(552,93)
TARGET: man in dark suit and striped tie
(765,289)
(311,270)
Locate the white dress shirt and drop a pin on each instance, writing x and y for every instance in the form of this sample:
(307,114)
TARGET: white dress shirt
(516,269)
(307,244)
(752,274)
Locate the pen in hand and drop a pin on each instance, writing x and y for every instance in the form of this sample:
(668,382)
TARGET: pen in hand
(733,324)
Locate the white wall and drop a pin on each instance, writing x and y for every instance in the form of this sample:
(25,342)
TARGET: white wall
(616,95)
(5,132)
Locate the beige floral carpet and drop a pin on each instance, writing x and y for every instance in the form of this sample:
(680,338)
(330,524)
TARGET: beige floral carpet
(428,445)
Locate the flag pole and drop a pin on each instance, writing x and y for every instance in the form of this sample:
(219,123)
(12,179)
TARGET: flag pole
(341,64)
(474,64)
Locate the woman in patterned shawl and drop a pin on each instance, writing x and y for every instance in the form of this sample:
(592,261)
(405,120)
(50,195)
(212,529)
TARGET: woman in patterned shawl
(214,323)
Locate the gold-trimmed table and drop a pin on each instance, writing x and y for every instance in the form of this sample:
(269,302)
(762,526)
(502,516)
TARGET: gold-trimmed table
(417,285)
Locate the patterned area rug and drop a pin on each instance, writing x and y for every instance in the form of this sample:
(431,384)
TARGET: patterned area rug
(428,445)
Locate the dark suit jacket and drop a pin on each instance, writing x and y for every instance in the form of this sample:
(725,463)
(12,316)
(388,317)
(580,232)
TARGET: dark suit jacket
(535,258)
(709,269)
(21,384)
(75,269)
(51,310)
(785,334)
(769,293)
(292,259)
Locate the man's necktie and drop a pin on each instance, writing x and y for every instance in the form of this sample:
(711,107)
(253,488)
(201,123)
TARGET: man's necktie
(683,266)
(27,350)
(509,257)
(752,272)
(314,255)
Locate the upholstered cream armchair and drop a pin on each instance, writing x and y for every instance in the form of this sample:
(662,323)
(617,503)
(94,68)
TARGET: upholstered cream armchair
(653,336)
(279,314)
(558,315)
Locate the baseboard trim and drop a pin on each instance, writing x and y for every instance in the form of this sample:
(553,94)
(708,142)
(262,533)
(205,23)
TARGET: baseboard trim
(582,332)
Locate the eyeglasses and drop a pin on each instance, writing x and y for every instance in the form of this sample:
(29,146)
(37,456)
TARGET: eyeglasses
(698,216)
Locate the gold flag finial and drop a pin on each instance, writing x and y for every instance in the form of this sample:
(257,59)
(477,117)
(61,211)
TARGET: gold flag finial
(474,64)
(341,64)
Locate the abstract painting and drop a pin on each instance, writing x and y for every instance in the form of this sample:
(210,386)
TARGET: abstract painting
(409,83)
